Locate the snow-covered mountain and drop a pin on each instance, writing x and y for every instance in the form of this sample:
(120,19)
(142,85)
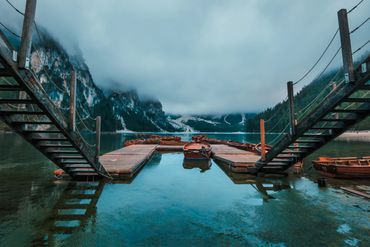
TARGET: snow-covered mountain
(121,110)
(211,123)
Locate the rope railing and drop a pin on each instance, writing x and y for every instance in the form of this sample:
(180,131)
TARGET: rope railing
(354,7)
(9,30)
(319,59)
(359,26)
(301,113)
(362,46)
(279,136)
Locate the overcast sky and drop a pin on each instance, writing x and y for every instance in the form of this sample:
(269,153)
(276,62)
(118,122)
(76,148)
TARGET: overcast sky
(209,56)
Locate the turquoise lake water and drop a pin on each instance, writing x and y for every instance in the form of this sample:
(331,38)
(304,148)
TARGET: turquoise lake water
(168,204)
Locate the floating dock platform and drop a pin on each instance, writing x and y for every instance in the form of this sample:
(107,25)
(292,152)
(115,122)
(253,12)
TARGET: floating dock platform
(239,161)
(125,163)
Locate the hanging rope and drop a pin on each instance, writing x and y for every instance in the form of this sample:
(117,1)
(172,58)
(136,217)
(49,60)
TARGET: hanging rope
(10,31)
(359,26)
(367,42)
(354,7)
(319,59)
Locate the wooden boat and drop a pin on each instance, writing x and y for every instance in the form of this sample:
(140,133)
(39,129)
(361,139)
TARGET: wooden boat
(345,167)
(197,150)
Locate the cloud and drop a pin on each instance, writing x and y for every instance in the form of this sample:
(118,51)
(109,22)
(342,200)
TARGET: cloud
(200,56)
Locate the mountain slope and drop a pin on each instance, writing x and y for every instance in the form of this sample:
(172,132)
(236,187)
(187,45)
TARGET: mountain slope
(311,95)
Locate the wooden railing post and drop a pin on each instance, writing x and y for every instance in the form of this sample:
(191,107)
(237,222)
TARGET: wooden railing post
(26,41)
(263,141)
(72,102)
(98,135)
(345,41)
(291,108)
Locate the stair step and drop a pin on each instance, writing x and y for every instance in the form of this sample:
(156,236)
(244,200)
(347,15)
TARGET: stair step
(301,147)
(55,146)
(69,217)
(327,128)
(73,162)
(291,156)
(293,152)
(63,229)
(11,88)
(83,174)
(360,111)
(17,101)
(348,120)
(77,166)
(22,113)
(49,139)
(79,196)
(316,135)
(357,100)
(41,131)
(277,164)
(282,159)
(71,157)
(73,206)
(274,168)
(33,122)
(309,141)
(81,170)
(63,151)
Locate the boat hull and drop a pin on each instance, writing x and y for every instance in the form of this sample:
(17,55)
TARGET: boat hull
(343,167)
(197,151)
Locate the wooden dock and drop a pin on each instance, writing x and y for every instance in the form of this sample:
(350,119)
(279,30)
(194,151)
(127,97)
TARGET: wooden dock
(238,160)
(126,162)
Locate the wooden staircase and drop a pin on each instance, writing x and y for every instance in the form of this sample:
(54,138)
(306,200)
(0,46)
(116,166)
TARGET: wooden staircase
(339,111)
(39,121)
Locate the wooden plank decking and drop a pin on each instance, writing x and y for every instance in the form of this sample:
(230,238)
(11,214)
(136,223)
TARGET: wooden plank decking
(238,160)
(124,163)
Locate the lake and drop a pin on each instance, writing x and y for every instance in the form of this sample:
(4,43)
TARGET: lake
(169,203)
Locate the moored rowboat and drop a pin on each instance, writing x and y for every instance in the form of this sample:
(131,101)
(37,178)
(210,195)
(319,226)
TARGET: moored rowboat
(345,167)
(197,150)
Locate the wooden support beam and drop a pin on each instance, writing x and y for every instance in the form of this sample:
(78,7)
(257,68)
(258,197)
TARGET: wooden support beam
(263,140)
(345,40)
(291,108)
(72,102)
(26,42)
(98,131)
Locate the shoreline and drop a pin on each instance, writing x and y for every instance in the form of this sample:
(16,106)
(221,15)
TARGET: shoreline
(362,135)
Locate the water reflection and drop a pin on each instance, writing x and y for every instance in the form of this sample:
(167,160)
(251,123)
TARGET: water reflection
(203,165)
(73,211)
(261,185)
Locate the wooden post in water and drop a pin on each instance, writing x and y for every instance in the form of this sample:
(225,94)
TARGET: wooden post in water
(345,41)
(26,41)
(263,141)
(291,108)
(98,132)
(72,102)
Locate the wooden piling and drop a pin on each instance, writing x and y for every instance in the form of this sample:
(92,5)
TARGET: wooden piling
(263,141)
(98,132)
(28,23)
(291,108)
(345,40)
(72,102)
